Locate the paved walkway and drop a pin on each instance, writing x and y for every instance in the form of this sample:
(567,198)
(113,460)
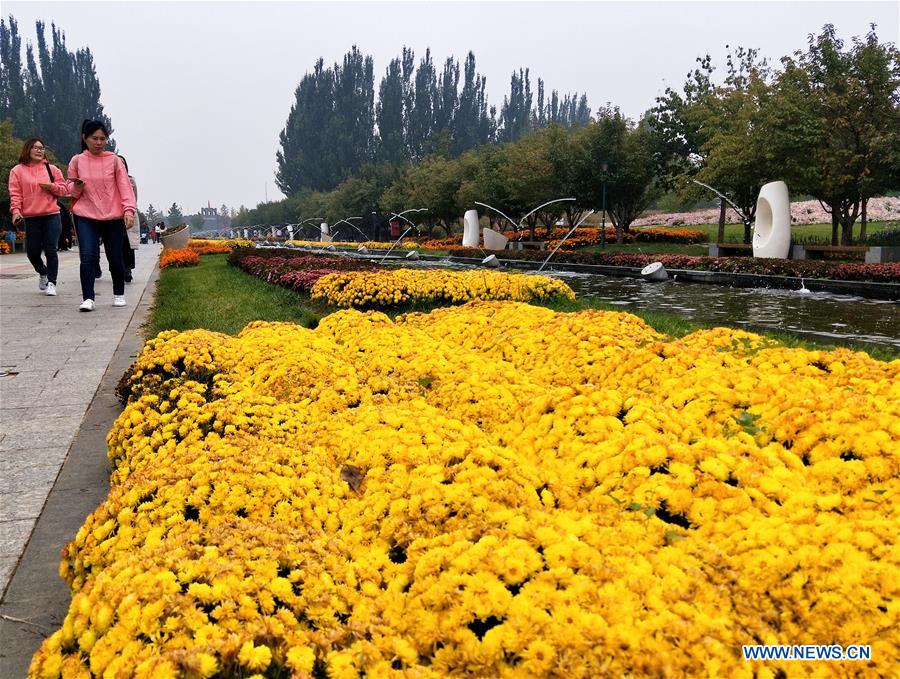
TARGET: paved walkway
(54,362)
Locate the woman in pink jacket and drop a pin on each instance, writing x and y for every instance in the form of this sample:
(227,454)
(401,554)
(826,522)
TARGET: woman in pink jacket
(34,185)
(104,206)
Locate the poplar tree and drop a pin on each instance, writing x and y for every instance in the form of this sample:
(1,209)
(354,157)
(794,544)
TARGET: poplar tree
(14,104)
(390,114)
(420,120)
(54,92)
(515,114)
(307,158)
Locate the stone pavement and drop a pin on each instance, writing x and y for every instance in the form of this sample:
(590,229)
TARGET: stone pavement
(58,371)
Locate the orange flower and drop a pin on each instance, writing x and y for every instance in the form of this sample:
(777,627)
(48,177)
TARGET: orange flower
(182,257)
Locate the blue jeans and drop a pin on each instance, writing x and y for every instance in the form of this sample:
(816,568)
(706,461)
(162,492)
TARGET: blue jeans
(42,234)
(89,233)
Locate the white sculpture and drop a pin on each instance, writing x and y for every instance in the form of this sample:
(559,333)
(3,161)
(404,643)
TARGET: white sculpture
(655,272)
(362,249)
(494,240)
(325,236)
(470,231)
(412,255)
(491,261)
(772,230)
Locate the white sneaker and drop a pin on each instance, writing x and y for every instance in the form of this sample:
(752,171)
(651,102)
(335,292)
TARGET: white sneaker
(42,283)
(51,290)
(118,300)
(87,305)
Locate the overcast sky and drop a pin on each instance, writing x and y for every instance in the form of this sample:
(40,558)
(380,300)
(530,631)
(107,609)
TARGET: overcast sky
(198,91)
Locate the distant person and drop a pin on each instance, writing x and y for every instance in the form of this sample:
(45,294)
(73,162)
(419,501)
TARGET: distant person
(104,206)
(132,240)
(34,186)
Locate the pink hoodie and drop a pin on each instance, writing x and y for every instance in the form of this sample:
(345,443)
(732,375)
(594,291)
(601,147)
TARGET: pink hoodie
(107,192)
(25,194)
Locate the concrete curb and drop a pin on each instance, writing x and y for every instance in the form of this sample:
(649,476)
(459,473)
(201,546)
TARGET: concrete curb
(36,599)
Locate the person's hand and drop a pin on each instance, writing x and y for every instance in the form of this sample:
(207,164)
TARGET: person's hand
(79,184)
(17,217)
(129,220)
(46,186)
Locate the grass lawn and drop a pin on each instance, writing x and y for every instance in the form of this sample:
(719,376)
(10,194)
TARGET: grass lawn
(220,297)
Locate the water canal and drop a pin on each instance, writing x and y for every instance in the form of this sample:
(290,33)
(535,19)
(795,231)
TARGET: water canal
(842,319)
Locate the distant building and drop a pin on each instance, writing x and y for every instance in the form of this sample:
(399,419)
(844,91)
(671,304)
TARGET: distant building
(212,219)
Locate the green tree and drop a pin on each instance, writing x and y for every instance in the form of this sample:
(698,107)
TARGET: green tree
(9,156)
(330,130)
(627,151)
(53,93)
(351,125)
(483,172)
(65,92)
(153,217)
(355,195)
(734,156)
(472,125)
(390,113)
(432,184)
(528,173)
(175,216)
(14,104)
(833,124)
(446,101)
(420,117)
(516,114)
(307,158)
(677,137)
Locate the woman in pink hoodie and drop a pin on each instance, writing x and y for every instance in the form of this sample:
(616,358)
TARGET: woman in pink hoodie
(34,186)
(104,206)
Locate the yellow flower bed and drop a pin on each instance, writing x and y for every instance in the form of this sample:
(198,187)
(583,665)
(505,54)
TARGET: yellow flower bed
(492,490)
(372,245)
(217,246)
(382,289)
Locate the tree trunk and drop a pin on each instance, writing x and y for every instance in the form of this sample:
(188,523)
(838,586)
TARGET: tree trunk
(834,225)
(720,236)
(849,213)
(846,231)
(748,233)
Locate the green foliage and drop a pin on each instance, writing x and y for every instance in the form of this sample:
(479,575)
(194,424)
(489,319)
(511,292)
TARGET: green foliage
(174,217)
(153,217)
(422,111)
(53,93)
(826,123)
(9,155)
(839,109)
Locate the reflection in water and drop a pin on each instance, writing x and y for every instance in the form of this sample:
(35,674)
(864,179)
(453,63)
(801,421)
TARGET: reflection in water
(837,318)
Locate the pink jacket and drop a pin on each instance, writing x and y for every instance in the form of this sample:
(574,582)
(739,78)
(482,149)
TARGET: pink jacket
(25,194)
(107,193)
